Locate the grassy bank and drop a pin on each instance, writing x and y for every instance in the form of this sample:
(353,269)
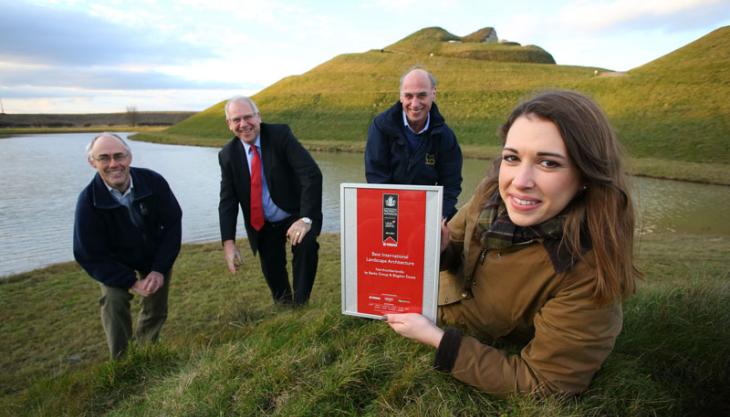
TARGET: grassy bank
(706,173)
(5,132)
(84,120)
(227,351)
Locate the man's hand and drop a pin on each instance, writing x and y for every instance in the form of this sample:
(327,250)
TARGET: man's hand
(149,285)
(415,326)
(445,238)
(297,230)
(231,255)
(138,287)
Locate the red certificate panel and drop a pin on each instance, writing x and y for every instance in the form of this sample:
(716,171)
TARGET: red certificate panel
(390,248)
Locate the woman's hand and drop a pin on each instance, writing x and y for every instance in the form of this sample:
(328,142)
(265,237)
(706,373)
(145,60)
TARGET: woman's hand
(415,326)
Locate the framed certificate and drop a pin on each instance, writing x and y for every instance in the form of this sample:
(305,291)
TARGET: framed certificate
(390,244)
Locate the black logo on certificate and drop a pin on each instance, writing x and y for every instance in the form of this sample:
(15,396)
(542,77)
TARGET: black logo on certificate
(390,219)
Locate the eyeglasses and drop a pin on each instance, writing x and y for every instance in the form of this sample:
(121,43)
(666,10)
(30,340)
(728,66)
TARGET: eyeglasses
(247,118)
(117,157)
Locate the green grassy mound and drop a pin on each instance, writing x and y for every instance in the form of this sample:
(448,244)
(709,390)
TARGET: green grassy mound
(674,108)
(436,41)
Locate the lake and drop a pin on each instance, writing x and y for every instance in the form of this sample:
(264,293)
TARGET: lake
(42,175)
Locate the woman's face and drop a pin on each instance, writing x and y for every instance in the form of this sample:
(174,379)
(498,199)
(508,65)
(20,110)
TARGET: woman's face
(537,179)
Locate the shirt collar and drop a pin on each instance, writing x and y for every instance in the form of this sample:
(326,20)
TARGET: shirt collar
(118,194)
(425,127)
(247,147)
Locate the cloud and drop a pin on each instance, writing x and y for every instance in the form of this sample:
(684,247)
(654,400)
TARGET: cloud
(50,35)
(98,77)
(667,15)
(52,47)
(71,100)
(396,5)
(120,50)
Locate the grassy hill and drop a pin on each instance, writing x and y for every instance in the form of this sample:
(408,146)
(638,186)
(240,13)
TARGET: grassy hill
(674,108)
(479,45)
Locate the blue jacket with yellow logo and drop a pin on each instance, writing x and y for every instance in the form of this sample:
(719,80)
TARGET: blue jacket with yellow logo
(389,160)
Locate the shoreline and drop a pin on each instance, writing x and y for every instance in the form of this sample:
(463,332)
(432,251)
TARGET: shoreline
(12,131)
(662,169)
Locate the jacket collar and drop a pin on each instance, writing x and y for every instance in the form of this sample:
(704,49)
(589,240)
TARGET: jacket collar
(103,199)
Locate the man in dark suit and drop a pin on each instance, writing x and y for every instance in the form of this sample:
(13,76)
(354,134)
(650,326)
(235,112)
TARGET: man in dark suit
(278,185)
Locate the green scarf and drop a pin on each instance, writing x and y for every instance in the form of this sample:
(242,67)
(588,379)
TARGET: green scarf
(498,232)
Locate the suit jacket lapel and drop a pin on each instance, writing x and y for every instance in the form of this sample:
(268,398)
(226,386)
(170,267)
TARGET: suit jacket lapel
(238,158)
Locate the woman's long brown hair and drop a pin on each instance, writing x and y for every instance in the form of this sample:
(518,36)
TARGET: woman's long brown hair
(604,208)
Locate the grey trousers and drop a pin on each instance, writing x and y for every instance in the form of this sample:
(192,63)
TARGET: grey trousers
(116,316)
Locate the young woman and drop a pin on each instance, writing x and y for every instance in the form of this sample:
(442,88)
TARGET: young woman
(542,255)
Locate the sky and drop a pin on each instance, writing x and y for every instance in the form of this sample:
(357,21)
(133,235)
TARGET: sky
(97,56)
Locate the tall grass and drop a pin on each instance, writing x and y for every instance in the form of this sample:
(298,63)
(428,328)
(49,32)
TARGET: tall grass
(226,350)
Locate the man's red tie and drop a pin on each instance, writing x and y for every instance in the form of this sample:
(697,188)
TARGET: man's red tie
(257,205)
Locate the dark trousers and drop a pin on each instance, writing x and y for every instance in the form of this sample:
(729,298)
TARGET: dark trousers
(305,256)
(116,316)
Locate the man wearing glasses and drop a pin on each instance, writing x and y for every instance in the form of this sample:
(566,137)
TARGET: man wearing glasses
(277,184)
(127,232)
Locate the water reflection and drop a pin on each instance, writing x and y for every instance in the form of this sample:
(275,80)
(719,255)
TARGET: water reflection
(41,176)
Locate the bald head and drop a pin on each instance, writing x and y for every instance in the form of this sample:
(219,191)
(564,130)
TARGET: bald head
(417,93)
(240,100)
(420,73)
(106,136)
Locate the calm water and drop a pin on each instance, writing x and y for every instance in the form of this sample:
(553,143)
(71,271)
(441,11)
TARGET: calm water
(41,176)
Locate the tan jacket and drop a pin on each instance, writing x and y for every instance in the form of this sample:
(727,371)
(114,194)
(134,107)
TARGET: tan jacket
(516,294)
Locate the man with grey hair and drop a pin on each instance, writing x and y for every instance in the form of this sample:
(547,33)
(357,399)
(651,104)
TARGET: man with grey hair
(278,186)
(410,142)
(127,232)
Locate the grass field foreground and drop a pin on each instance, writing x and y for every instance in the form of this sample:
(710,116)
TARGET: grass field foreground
(227,351)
